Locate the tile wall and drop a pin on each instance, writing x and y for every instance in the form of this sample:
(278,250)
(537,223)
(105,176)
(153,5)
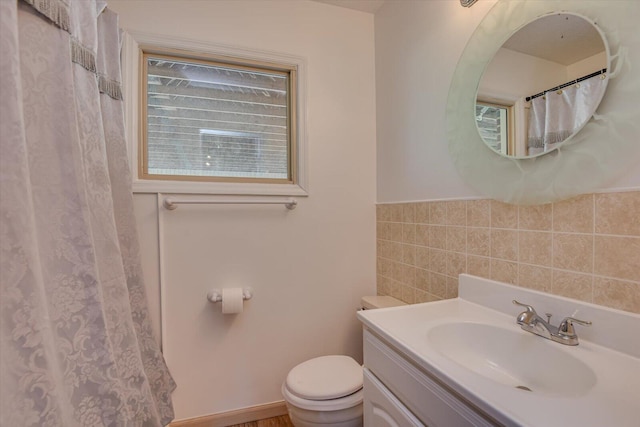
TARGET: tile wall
(587,248)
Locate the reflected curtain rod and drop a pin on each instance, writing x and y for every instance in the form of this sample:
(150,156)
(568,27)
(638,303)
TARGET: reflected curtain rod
(562,86)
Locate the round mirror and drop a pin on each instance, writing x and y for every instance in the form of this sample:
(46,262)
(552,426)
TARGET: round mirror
(542,86)
(605,148)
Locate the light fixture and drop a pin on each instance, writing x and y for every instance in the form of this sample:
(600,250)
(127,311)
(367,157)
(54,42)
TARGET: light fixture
(467,3)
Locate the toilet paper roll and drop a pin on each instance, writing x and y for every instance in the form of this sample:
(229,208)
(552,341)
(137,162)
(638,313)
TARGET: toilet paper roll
(231,300)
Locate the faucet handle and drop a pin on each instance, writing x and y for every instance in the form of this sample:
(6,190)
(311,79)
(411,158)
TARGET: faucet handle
(526,318)
(528,307)
(566,326)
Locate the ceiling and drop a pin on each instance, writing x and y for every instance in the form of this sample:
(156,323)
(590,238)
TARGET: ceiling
(561,38)
(370,6)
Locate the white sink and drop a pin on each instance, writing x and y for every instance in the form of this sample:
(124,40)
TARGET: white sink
(474,346)
(513,358)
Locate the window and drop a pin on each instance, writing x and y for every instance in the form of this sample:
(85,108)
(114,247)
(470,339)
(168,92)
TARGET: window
(216,118)
(495,125)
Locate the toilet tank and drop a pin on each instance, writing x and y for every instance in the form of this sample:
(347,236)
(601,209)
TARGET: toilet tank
(376,301)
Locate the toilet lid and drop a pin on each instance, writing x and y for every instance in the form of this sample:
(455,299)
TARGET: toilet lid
(326,377)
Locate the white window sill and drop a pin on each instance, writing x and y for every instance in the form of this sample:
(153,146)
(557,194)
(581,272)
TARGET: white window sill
(223,188)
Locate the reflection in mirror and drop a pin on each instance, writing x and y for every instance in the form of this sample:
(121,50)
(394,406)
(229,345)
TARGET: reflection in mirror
(542,86)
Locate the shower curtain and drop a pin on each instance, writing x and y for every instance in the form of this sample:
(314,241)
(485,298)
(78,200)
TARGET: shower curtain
(557,115)
(76,343)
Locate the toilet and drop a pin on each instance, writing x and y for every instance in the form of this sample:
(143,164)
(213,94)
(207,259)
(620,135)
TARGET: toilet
(327,390)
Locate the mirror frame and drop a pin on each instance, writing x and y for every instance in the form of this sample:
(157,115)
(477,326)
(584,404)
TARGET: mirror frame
(603,150)
(558,82)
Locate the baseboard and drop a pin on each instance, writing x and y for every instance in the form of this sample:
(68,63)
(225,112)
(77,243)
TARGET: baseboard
(239,416)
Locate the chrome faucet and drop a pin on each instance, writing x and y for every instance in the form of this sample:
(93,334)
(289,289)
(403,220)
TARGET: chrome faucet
(564,333)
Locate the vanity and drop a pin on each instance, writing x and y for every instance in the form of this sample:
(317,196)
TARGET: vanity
(467,362)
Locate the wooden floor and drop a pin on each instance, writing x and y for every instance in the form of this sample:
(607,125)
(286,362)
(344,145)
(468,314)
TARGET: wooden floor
(281,421)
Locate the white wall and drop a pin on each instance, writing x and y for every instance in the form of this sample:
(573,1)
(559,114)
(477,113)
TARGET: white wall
(587,66)
(418,44)
(308,267)
(518,75)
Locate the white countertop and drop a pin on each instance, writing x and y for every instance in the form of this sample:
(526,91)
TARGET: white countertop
(614,399)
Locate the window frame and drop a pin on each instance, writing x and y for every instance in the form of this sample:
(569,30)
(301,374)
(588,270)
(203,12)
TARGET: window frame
(509,112)
(135,45)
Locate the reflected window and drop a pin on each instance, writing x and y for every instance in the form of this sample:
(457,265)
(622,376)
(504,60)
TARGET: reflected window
(495,124)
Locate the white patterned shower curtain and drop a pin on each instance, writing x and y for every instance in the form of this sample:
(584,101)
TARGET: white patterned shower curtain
(76,344)
(559,114)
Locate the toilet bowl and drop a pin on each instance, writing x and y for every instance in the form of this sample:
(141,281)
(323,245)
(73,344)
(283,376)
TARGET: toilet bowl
(327,390)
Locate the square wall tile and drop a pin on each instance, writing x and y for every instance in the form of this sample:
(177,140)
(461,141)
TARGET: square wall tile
(457,239)
(479,241)
(573,285)
(438,236)
(574,215)
(394,231)
(617,294)
(409,254)
(384,285)
(534,247)
(422,257)
(408,294)
(503,215)
(422,296)
(422,234)
(438,285)
(479,266)
(395,251)
(409,233)
(381,230)
(479,213)
(383,213)
(437,213)
(573,252)
(452,287)
(504,271)
(383,267)
(456,264)
(618,213)
(409,212)
(409,275)
(535,217)
(438,261)
(422,213)
(617,257)
(456,213)
(534,277)
(422,279)
(504,244)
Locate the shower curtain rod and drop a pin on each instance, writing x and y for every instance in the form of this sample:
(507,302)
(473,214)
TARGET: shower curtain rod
(562,86)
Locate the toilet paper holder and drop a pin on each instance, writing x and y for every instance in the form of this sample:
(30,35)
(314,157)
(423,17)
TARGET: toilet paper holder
(215,295)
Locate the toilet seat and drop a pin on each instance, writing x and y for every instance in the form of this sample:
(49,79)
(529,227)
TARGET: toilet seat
(328,383)
(338,404)
(325,378)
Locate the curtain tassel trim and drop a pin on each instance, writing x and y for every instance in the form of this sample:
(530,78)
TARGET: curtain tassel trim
(83,56)
(110,87)
(56,11)
(549,138)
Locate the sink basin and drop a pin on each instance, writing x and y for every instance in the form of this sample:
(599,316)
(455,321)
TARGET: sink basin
(513,358)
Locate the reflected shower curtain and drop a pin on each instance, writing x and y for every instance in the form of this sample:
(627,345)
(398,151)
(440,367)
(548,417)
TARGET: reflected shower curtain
(76,344)
(557,115)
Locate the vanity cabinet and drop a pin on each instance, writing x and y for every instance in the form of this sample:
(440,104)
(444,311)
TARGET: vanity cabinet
(382,408)
(398,393)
